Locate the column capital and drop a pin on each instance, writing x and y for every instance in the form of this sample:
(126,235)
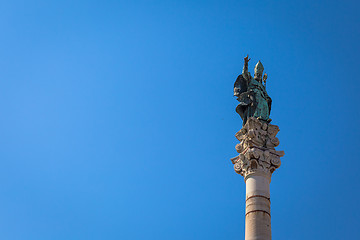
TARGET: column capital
(257,154)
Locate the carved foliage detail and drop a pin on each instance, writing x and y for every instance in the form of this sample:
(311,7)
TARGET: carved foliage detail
(257,148)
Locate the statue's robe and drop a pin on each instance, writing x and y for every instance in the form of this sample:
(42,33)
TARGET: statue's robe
(263,101)
(240,91)
(253,98)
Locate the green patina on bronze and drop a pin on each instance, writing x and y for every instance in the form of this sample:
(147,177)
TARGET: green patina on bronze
(252,95)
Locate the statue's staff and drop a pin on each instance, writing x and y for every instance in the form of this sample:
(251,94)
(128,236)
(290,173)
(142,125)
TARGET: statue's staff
(264,79)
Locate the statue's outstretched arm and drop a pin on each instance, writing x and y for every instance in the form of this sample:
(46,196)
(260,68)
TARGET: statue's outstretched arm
(246,64)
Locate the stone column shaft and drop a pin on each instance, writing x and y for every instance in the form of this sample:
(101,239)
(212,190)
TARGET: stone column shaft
(257,213)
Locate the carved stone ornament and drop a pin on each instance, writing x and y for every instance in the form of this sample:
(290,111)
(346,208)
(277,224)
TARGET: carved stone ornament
(257,148)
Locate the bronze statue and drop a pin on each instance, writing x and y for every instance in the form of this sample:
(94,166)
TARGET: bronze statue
(251,93)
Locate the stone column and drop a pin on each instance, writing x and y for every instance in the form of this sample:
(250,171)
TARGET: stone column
(257,160)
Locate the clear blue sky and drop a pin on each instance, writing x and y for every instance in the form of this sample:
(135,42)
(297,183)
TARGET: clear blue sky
(118,120)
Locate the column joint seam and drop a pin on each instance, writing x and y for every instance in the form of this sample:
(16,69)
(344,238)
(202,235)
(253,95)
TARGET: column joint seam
(258,196)
(258,211)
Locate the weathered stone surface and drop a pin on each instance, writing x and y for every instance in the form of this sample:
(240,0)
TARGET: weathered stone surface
(257,211)
(257,148)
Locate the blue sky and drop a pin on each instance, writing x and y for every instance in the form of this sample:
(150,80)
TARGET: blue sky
(118,120)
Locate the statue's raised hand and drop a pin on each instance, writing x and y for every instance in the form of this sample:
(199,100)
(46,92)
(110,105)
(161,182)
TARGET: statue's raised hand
(247,59)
